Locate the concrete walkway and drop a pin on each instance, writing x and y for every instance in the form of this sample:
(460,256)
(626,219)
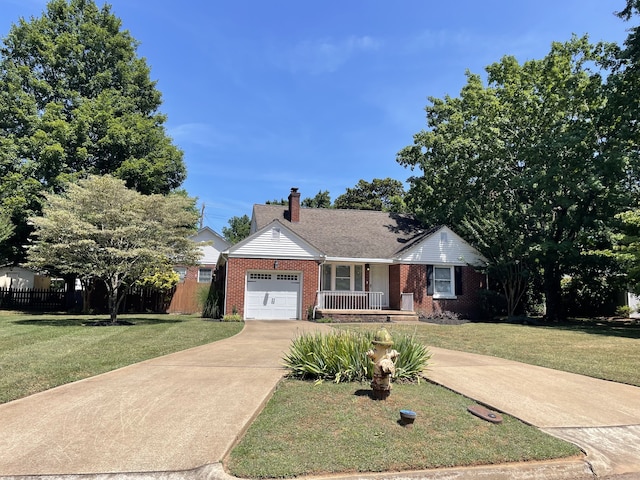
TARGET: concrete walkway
(601,417)
(172,413)
(177,416)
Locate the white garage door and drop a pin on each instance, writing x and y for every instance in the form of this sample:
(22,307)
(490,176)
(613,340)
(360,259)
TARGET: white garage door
(272,296)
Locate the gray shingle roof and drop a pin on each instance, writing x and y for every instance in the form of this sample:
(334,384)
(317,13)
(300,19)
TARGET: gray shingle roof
(349,233)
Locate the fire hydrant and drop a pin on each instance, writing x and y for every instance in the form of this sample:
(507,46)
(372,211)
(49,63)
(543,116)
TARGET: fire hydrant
(383,364)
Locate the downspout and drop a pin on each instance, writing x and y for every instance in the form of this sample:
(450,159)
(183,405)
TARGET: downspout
(315,307)
(226,286)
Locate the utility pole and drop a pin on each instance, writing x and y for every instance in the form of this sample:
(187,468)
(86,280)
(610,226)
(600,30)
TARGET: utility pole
(202,217)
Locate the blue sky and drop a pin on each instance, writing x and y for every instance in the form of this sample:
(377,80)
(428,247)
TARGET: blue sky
(264,95)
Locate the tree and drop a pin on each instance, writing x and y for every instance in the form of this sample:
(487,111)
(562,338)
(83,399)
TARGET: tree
(535,143)
(321,200)
(238,230)
(98,229)
(381,194)
(76,100)
(6,230)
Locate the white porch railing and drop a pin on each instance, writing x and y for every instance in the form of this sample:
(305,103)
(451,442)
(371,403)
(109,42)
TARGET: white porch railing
(345,300)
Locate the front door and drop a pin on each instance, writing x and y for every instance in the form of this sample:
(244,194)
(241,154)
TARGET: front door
(379,282)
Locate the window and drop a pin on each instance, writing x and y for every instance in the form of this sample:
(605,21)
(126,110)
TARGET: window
(348,278)
(444,282)
(204,275)
(343,277)
(181,271)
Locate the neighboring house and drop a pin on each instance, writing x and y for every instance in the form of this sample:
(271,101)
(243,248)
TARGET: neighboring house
(19,278)
(347,264)
(196,277)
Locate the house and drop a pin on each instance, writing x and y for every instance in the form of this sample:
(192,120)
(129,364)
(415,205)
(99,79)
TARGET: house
(347,264)
(196,277)
(18,278)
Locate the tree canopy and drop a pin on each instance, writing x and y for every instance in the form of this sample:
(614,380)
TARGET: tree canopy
(75,99)
(534,153)
(238,229)
(100,229)
(380,194)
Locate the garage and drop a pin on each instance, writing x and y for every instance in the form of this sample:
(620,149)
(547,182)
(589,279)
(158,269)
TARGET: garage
(272,296)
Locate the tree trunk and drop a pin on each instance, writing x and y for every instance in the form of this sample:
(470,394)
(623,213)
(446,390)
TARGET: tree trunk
(552,292)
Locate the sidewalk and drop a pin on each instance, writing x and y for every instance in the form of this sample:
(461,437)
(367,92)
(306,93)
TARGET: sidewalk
(601,417)
(177,416)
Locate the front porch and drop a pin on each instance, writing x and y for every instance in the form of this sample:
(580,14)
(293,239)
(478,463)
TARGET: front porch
(358,306)
(366,316)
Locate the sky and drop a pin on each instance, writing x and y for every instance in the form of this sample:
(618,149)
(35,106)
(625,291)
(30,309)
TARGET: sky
(262,96)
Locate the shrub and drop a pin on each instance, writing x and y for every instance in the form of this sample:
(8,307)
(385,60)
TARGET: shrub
(232,317)
(623,311)
(209,301)
(341,356)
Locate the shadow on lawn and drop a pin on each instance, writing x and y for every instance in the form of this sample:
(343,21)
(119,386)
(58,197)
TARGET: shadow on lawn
(611,327)
(606,327)
(94,321)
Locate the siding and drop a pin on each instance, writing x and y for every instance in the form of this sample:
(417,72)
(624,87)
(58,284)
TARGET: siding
(275,241)
(444,246)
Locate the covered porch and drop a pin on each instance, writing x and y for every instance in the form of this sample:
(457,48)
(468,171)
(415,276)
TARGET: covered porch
(359,306)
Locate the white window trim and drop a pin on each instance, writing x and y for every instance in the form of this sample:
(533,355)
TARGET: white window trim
(452,295)
(210,275)
(352,276)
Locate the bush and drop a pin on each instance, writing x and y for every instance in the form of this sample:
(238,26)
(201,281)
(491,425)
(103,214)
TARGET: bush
(233,317)
(623,311)
(341,356)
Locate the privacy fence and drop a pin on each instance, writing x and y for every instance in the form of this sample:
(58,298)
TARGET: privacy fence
(138,300)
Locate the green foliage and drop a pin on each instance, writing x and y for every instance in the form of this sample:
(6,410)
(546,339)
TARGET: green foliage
(209,300)
(100,229)
(623,311)
(164,278)
(528,164)
(75,99)
(341,356)
(232,317)
(381,194)
(321,200)
(238,229)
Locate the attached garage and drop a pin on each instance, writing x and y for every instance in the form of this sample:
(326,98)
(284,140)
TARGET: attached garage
(273,295)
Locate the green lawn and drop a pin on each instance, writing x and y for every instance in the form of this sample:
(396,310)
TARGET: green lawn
(610,351)
(337,428)
(38,352)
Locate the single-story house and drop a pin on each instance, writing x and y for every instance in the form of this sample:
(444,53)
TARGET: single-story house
(299,263)
(200,276)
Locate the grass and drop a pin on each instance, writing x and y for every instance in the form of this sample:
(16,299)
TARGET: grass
(38,352)
(606,350)
(337,428)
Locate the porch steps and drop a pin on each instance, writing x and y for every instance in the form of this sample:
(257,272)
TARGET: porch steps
(367,316)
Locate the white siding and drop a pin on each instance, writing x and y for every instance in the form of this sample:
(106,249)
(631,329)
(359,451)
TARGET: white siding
(274,241)
(215,245)
(443,246)
(16,277)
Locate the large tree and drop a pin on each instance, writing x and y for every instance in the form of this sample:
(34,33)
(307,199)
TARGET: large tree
(98,229)
(534,143)
(75,99)
(384,194)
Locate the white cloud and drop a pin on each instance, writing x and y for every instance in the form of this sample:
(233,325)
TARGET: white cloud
(327,55)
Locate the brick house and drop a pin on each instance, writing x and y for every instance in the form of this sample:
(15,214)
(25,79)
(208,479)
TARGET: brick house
(362,265)
(200,276)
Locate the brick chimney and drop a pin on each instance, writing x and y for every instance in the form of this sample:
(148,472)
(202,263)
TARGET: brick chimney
(294,206)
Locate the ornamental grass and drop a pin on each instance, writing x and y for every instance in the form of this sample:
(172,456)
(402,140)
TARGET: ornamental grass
(340,356)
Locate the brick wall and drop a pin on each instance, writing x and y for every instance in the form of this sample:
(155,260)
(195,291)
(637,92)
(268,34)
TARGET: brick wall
(237,270)
(413,279)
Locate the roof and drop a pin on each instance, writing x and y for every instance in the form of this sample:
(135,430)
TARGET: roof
(349,233)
